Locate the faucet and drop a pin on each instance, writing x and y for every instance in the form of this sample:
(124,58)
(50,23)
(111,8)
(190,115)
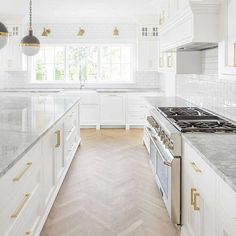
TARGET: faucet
(81,82)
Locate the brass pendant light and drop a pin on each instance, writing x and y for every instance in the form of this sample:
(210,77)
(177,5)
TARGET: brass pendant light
(30,44)
(3,35)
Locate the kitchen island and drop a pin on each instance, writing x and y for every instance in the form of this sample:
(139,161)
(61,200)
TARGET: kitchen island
(39,138)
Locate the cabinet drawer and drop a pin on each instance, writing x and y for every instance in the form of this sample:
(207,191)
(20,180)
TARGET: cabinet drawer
(12,210)
(200,172)
(29,218)
(20,175)
(71,121)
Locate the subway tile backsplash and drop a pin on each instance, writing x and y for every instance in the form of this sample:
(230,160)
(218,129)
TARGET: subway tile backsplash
(209,91)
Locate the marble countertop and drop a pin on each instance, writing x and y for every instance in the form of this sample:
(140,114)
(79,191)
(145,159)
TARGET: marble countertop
(24,120)
(217,150)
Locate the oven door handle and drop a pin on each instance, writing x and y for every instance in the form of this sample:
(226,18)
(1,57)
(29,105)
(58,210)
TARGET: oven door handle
(166,162)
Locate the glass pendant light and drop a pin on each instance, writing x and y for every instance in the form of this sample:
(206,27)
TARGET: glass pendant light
(30,44)
(3,35)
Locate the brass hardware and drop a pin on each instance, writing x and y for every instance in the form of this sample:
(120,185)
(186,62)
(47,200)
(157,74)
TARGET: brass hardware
(17,178)
(81,32)
(116,32)
(58,138)
(30,45)
(193,190)
(195,167)
(28,233)
(4,33)
(169,61)
(46,32)
(195,207)
(22,204)
(235,55)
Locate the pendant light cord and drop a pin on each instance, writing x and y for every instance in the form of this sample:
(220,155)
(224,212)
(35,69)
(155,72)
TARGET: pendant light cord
(30,15)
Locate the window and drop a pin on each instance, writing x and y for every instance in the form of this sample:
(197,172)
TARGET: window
(92,63)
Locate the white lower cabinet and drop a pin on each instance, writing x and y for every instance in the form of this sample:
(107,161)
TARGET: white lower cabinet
(30,187)
(112,109)
(208,203)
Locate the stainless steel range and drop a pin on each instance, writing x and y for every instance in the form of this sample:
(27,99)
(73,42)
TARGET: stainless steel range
(164,127)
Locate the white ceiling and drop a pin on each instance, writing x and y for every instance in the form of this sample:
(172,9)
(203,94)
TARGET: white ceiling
(82,8)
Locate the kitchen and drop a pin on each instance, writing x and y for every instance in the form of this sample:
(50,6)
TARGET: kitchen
(118,118)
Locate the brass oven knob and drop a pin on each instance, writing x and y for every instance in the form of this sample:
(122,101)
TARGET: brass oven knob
(171,146)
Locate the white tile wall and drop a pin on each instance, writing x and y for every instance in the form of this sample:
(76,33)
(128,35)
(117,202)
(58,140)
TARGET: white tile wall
(21,80)
(209,90)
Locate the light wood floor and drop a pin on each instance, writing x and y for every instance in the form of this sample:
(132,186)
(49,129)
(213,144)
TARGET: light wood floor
(109,190)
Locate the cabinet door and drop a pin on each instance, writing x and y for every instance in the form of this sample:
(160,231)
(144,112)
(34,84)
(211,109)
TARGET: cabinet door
(112,109)
(190,217)
(148,55)
(14,60)
(89,114)
(48,166)
(228,47)
(58,151)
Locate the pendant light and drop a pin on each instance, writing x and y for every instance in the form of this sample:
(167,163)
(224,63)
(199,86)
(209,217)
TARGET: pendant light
(3,35)
(116,32)
(30,44)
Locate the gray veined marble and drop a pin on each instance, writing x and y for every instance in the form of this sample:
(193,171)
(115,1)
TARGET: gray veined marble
(24,120)
(219,151)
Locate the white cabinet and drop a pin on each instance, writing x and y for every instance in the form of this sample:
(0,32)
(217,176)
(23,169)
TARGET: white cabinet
(112,109)
(58,151)
(12,57)
(48,144)
(147,48)
(228,45)
(199,195)
(89,109)
(31,185)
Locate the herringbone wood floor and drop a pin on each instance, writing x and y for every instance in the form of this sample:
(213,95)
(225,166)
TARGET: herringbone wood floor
(109,190)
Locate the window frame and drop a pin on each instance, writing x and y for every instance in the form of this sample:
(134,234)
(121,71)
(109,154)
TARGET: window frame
(66,79)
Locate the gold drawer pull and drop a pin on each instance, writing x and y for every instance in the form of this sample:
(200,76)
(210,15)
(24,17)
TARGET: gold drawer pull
(22,204)
(27,233)
(58,138)
(195,207)
(195,167)
(193,190)
(17,178)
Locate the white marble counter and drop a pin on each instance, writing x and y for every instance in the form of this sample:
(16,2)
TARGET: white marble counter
(24,120)
(218,150)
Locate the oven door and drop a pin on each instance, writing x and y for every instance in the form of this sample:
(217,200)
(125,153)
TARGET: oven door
(167,175)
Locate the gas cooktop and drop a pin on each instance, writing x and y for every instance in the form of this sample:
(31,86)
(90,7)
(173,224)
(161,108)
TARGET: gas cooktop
(194,119)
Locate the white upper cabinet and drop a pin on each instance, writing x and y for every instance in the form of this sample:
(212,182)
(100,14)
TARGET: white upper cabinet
(12,58)
(147,48)
(189,24)
(228,42)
